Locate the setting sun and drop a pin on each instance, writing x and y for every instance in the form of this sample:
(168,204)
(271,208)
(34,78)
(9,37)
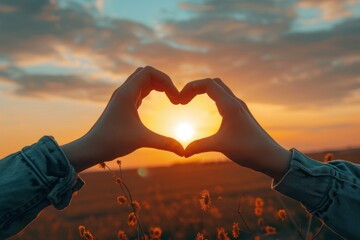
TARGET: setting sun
(185,123)
(184,131)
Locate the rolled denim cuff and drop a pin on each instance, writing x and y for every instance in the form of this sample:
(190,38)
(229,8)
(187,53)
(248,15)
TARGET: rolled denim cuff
(307,181)
(49,163)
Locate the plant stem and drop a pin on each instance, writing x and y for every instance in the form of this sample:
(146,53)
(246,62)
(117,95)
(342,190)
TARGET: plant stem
(290,217)
(318,232)
(308,228)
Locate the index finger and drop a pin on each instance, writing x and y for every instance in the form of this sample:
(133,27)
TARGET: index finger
(209,86)
(149,79)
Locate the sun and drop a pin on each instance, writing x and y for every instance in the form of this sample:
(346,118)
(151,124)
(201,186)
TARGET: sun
(184,131)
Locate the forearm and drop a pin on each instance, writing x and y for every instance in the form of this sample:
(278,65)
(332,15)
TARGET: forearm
(82,154)
(329,191)
(32,179)
(273,161)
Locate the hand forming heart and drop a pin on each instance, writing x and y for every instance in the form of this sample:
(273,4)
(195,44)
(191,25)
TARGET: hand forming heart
(119,130)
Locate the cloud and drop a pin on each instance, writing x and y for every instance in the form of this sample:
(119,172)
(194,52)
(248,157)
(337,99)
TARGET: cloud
(193,7)
(7,9)
(329,10)
(265,61)
(249,44)
(67,37)
(48,86)
(100,5)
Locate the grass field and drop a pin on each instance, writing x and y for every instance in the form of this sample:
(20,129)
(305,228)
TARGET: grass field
(170,200)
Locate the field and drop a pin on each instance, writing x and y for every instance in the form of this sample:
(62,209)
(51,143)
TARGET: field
(169,197)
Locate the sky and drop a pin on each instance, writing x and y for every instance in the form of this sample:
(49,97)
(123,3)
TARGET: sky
(296,63)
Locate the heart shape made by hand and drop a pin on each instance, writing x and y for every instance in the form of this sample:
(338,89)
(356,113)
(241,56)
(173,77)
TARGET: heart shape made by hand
(200,118)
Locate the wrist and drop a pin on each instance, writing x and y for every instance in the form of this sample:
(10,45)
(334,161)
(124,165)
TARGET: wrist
(81,153)
(281,162)
(274,162)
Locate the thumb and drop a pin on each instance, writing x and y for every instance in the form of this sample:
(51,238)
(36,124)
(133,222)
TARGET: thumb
(161,142)
(199,146)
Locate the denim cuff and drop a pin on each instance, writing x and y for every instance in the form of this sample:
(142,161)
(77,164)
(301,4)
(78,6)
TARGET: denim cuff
(53,169)
(307,181)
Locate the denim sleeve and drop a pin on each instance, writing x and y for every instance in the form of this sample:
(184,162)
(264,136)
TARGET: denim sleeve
(330,191)
(30,180)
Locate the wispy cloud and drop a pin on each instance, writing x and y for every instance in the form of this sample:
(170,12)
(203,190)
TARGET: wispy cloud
(48,86)
(252,45)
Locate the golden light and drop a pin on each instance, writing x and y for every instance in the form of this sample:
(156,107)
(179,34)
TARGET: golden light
(184,132)
(185,123)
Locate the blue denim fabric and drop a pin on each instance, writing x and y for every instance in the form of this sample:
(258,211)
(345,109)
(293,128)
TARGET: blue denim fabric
(32,179)
(330,191)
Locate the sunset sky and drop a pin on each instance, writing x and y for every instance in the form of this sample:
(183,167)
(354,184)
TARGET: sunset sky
(296,64)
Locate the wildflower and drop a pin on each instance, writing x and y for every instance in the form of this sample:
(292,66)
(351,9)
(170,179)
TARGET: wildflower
(136,205)
(81,230)
(155,232)
(200,236)
(121,200)
(118,162)
(235,230)
(102,165)
(221,234)
(258,211)
(328,157)
(205,200)
(257,238)
(215,212)
(270,230)
(88,235)
(260,223)
(259,202)
(132,219)
(118,180)
(122,235)
(282,214)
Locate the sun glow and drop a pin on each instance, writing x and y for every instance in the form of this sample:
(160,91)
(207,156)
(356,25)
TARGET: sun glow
(184,132)
(184,123)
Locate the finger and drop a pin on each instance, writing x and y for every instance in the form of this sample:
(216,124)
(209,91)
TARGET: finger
(243,104)
(126,81)
(154,140)
(201,145)
(149,79)
(133,74)
(211,88)
(228,90)
(224,86)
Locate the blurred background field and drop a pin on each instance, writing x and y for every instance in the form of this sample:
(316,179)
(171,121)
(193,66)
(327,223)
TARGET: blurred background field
(169,197)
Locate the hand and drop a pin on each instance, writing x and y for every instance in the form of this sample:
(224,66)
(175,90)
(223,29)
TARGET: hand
(240,137)
(119,130)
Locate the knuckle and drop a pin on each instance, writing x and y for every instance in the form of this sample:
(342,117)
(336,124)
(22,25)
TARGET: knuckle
(115,93)
(212,82)
(190,85)
(242,103)
(208,79)
(120,96)
(148,68)
(217,79)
